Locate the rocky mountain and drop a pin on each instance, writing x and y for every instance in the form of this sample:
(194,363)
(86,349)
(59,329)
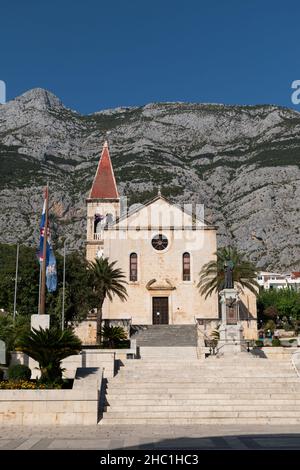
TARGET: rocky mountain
(241,162)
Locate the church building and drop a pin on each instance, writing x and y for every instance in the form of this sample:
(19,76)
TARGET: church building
(161,248)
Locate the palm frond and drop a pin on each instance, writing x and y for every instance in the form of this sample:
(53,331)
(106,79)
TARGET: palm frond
(212,275)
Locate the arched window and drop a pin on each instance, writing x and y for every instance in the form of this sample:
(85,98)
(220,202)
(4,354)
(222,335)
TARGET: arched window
(133,267)
(186,267)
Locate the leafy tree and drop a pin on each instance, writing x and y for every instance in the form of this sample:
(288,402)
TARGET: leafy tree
(106,281)
(212,274)
(49,347)
(271,312)
(28,279)
(10,331)
(79,296)
(286,302)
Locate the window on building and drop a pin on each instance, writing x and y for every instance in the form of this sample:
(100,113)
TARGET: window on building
(159,242)
(186,267)
(133,267)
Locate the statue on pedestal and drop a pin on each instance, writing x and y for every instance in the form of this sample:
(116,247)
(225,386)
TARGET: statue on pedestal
(228,269)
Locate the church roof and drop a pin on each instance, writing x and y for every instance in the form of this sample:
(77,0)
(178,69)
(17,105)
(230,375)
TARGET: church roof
(104,184)
(156,198)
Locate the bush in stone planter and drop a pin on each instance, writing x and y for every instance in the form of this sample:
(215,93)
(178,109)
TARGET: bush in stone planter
(19,372)
(276,342)
(49,347)
(113,336)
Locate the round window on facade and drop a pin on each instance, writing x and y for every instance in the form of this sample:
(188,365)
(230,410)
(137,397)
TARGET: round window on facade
(159,242)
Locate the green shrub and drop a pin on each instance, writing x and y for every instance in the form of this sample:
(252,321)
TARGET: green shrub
(276,342)
(19,372)
(259,343)
(49,347)
(20,385)
(113,336)
(1,374)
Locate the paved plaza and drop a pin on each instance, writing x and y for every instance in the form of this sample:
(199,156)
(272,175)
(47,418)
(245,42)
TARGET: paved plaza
(151,437)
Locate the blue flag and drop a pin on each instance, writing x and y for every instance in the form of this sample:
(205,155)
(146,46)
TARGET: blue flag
(51,274)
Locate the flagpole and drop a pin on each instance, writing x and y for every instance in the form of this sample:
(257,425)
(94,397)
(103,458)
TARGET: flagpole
(43,277)
(64,286)
(16,281)
(40,279)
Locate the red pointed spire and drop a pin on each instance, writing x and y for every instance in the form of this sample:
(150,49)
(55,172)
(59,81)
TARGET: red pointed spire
(104,184)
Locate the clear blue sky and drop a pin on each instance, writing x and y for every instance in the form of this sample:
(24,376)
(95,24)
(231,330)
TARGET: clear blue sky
(96,54)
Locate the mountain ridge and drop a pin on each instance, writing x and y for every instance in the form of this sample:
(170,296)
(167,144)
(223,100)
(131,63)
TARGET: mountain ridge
(242,162)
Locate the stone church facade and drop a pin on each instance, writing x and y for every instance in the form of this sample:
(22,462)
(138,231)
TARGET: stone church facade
(161,248)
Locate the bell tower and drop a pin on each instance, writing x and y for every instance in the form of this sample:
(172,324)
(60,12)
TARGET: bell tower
(103,205)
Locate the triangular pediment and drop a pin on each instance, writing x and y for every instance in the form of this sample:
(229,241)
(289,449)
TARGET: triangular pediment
(159,212)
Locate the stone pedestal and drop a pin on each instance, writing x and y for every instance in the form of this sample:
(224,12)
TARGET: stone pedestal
(231,339)
(40,321)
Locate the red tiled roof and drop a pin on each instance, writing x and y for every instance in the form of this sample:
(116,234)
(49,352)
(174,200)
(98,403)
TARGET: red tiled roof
(295,275)
(104,185)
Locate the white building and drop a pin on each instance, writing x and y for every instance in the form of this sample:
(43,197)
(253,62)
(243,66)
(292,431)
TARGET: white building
(271,280)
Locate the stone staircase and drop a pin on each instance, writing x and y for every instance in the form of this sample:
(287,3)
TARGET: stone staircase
(165,335)
(165,387)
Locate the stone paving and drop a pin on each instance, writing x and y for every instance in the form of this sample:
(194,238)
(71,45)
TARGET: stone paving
(153,437)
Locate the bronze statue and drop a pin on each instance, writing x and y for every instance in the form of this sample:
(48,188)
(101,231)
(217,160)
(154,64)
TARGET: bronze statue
(228,270)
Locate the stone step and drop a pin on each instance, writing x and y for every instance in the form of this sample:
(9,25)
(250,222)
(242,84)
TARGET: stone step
(202,396)
(166,335)
(206,363)
(137,409)
(207,374)
(172,366)
(204,380)
(153,414)
(221,421)
(168,355)
(169,385)
(117,402)
(172,393)
(199,363)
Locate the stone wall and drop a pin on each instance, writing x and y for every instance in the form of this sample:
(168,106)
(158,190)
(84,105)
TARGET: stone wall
(87,358)
(87,331)
(78,406)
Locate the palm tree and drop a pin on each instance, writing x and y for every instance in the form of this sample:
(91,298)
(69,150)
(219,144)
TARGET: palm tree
(107,281)
(49,347)
(113,335)
(212,274)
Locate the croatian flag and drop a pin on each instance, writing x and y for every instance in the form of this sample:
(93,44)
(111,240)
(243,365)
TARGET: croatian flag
(51,274)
